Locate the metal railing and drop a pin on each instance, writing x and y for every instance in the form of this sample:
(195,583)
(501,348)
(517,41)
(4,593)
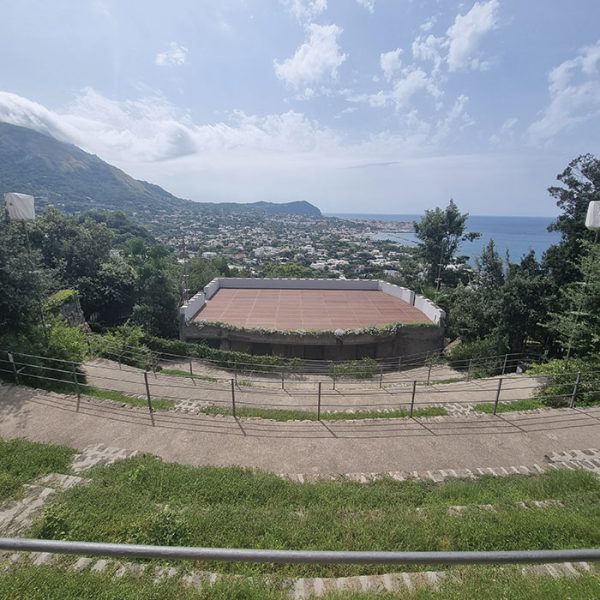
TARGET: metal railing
(298,556)
(311,399)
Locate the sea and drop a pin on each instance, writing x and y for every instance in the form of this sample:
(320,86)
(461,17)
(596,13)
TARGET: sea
(516,236)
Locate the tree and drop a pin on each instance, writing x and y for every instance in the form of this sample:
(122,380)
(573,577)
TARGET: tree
(580,185)
(22,282)
(109,297)
(293,270)
(200,271)
(441,232)
(577,325)
(524,301)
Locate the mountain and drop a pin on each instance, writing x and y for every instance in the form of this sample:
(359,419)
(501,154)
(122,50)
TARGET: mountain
(65,176)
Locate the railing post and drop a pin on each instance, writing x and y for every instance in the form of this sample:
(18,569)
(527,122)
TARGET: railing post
(429,374)
(412,400)
(14,367)
(497,395)
(575,389)
(504,365)
(381,376)
(319,404)
(333,377)
(399,363)
(235,373)
(76,380)
(148,397)
(282,380)
(233,397)
(469,370)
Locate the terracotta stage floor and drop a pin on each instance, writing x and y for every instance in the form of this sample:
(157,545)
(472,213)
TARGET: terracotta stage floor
(307,309)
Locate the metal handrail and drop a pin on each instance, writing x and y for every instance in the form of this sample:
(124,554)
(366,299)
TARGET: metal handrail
(297,556)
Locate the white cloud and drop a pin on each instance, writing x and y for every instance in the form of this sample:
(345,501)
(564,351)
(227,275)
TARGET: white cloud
(574,88)
(368,4)
(318,58)
(465,35)
(429,24)
(174,55)
(429,48)
(390,62)
(506,133)
(456,119)
(305,10)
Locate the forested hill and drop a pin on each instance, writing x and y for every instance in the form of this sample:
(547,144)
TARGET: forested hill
(65,176)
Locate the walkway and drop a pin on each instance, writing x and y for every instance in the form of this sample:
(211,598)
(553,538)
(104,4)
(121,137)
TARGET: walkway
(300,447)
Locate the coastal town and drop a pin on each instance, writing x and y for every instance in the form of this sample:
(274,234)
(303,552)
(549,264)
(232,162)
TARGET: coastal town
(324,246)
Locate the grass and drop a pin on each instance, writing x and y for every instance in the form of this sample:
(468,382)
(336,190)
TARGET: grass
(115,396)
(53,583)
(143,500)
(528,404)
(304,415)
(182,373)
(22,461)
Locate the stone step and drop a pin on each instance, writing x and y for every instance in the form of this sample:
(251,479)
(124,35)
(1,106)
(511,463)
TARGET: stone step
(18,515)
(100,455)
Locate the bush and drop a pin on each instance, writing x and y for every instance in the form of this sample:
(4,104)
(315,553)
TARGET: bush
(486,356)
(125,344)
(56,301)
(358,369)
(39,356)
(557,390)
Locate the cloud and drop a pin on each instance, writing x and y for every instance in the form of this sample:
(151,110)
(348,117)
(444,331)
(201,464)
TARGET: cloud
(390,62)
(574,88)
(174,55)
(412,81)
(305,10)
(506,133)
(456,119)
(318,58)
(465,35)
(429,24)
(429,48)
(368,4)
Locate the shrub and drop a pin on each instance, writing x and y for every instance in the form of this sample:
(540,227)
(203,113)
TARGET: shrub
(125,344)
(557,390)
(57,300)
(39,355)
(485,356)
(358,369)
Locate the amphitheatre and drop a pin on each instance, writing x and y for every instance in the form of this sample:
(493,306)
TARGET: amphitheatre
(471,436)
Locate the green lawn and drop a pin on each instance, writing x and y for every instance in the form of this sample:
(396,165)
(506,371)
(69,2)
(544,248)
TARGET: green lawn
(299,415)
(52,583)
(115,396)
(529,404)
(22,461)
(144,500)
(182,373)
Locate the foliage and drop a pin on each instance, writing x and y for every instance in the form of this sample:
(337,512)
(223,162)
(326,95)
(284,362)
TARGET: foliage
(292,270)
(364,368)
(43,354)
(201,271)
(125,344)
(441,231)
(580,185)
(577,325)
(528,404)
(483,357)
(57,300)
(557,389)
(22,282)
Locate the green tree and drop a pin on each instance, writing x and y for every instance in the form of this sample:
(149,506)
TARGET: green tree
(200,271)
(580,185)
(292,270)
(475,309)
(441,231)
(23,284)
(109,297)
(577,325)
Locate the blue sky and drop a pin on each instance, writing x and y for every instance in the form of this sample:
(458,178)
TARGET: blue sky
(381,106)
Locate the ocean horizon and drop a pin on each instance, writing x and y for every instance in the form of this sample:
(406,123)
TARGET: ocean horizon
(514,235)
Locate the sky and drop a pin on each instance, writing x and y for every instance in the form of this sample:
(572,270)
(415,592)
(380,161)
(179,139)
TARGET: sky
(365,106)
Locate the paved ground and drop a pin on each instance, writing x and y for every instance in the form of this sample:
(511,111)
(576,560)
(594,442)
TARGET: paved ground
(321,310)
(302,394)
(300,447)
